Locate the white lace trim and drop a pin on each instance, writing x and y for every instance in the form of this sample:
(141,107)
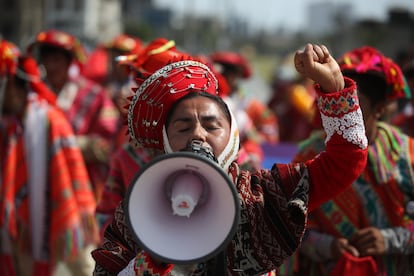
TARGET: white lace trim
(129,269)
(350,127)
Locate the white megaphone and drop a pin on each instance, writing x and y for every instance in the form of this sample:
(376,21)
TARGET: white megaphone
(182,208)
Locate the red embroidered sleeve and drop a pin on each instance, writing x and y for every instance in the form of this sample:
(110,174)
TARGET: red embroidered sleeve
(346,145)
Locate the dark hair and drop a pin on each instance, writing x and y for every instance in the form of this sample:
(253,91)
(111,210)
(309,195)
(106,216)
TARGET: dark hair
(217,99)
(373,86)
(409,71)
(19,80)
(45,49)
(231,69)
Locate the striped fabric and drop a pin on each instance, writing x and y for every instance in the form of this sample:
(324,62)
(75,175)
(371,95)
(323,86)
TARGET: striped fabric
(70,202)
(378,198)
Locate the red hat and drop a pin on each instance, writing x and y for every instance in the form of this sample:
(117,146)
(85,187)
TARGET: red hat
(235,59)
(125,43)
(153,99)
(12,63)
(62,40)
(154,56)
(223,86)
(157,54)
(9,54)
(368,60)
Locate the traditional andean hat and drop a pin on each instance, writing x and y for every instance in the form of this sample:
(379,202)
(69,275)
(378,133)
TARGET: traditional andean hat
(233,59)
(61,40)
(154,98)
(125,43)
(368,60)
(9,54)
(13,63)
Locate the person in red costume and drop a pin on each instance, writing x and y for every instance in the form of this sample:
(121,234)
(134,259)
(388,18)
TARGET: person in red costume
(127,160)
(46,200)
(86,104)
(180,102)
(104,66)
(367,227)
(101,65)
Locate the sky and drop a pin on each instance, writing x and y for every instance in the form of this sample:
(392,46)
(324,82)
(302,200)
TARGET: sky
(273,14)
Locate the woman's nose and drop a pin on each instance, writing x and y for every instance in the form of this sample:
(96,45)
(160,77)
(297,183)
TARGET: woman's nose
(199,133)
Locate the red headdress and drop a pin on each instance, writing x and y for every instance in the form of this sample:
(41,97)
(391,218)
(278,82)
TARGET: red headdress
(368,60)
(156,55)
(223,86)
(154,98)
(96,67)
(234,59)
(12,63)
(62,40)
(9,54)
(125,43)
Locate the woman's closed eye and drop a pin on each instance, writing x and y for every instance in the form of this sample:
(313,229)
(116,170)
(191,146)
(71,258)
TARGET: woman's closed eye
(212,126)
(184,129)
(208,127)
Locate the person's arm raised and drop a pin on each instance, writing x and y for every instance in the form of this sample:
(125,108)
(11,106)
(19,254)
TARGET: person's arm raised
(336,168)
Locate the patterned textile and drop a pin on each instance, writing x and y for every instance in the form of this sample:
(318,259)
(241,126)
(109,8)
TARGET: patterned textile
(274,205)
(91,111)
(378,198)
(93,117)
(70,202)
(242,250)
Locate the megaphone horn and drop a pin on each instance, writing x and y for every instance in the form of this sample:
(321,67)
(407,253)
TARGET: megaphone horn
(182,208)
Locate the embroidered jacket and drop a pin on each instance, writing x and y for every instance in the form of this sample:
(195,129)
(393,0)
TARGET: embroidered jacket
(378,198)
(274,203)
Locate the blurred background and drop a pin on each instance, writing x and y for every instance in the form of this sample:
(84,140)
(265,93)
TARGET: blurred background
(267,32)
(265,29)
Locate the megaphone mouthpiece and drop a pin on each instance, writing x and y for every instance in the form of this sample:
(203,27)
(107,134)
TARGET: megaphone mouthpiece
(186,190)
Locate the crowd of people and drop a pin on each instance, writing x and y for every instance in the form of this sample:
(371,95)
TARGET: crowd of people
(77,126)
